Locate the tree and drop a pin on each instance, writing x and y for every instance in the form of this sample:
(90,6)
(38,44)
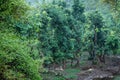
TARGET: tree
(98,38)
(61,31)
(113,36)
(15,61)
(78,28)
(52,33)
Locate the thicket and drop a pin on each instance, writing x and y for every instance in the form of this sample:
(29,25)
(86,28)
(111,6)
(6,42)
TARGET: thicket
(16,62)
(54,33)
(68,30)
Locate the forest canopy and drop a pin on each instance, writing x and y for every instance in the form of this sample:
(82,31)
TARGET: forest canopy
(39,34)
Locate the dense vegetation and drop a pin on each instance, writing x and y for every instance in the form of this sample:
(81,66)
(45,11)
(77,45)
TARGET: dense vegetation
(50,34)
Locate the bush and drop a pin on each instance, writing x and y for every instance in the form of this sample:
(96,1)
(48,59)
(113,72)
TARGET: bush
(15,62)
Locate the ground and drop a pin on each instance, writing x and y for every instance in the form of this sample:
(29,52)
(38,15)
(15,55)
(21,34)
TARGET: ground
(108,71)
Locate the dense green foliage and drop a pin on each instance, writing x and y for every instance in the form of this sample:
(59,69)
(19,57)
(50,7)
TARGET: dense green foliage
(15,60)
(66,28)
(60,31)
(55,32)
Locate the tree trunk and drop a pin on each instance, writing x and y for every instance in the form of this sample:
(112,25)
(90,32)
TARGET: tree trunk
(101,58)
(77,63)
(95,45)
(64,64)
(72,62)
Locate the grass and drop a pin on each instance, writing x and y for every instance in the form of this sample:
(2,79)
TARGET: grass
(67,74)
(117,78)
(71,73)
